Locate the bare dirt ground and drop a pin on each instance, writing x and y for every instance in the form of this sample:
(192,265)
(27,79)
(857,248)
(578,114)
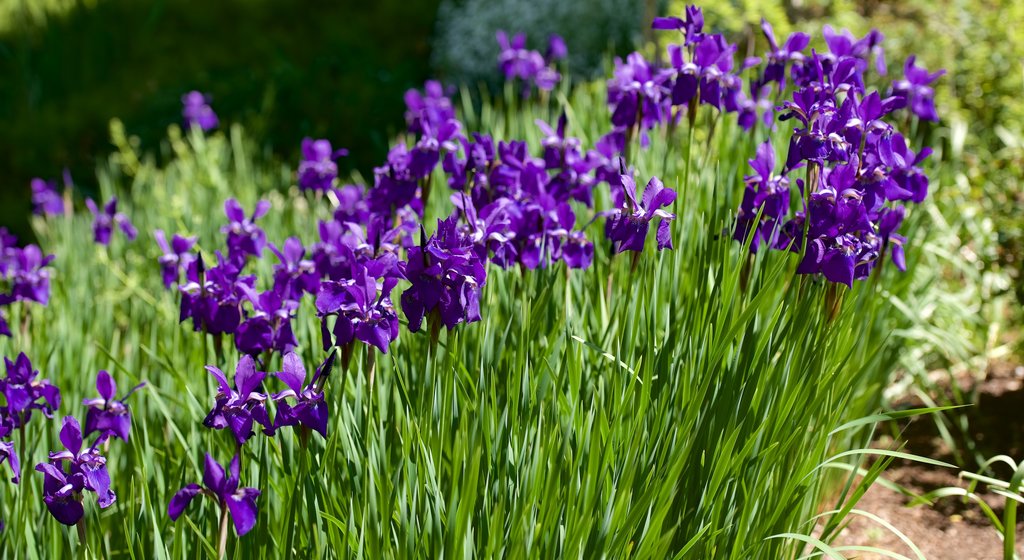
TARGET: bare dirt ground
(950,529)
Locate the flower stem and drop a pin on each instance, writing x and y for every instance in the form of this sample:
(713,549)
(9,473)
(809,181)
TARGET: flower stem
(222,546)
(81,531)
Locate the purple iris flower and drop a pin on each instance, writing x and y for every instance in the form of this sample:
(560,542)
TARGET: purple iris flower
(244,236)
(691,26)
(317,170)
(363,309)
(911,181)
(779,57)
(430,108)
(24,393)
(212,298)
(268,326)
(637,94)
(516,61)
(105,220)
(765,193)
(176,256)
(7,451)
(86,470)
(295,274)
(916,89)
(223,487)
(28,272)
(45,198)
(237,408)
(107,414)
(196,111)
(627,226)
(446,275)
(309,410)
(5,329)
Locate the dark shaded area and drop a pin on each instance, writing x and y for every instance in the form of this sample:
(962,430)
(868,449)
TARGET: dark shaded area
(979,431)
(285,69)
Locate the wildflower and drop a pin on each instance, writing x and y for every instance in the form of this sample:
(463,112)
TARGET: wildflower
(691,27)
(24,393)
(428,109)
(86,470)
(196,111)
(45,198)
(244,236)
(309,409)
(176,256)
(7,451)
(29,275)
(212,298)
(765,193)
(446,276)
(516,61)
(317,170)
(269,325)
(238,408)
(916,89)
(295,274)
(104,222)
(627,226)
(223,488)
(362,305)
(107,414)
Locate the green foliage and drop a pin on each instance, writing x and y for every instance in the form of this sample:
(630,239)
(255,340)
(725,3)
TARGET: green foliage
(465,49)
(286,69)
(695,405)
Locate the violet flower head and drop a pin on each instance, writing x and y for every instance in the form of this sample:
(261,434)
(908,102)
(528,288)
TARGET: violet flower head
(268,326)
(212,298)
(431,108)
(24,393)
(223,488)
(916,89)
(105,220)
(362,307)
(46,200)
(107,414)
(245,238)
(530,66)
(318,170)
(691,25)
(765,193)
(196,111)
(303,405)
(7,451)
(627,226)
(27,271)
(237,408)
(176,256)
(86,470)
(295,275)
(447,275)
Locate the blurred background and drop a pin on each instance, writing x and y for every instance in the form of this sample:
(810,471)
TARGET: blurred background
(337,69)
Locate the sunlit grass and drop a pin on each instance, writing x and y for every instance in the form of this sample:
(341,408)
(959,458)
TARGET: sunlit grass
(685,408)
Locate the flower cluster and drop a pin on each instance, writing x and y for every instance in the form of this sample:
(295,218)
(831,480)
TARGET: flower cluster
(78,469)
(318,170)
(859,167)
(24,276)
(529,66)
(239,409)
(46,199)
(196,111)
(104,221)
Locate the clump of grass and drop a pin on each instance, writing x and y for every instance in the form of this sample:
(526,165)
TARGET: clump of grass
(693,407)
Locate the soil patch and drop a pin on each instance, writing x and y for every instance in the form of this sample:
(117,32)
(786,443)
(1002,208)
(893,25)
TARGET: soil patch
(951,528)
